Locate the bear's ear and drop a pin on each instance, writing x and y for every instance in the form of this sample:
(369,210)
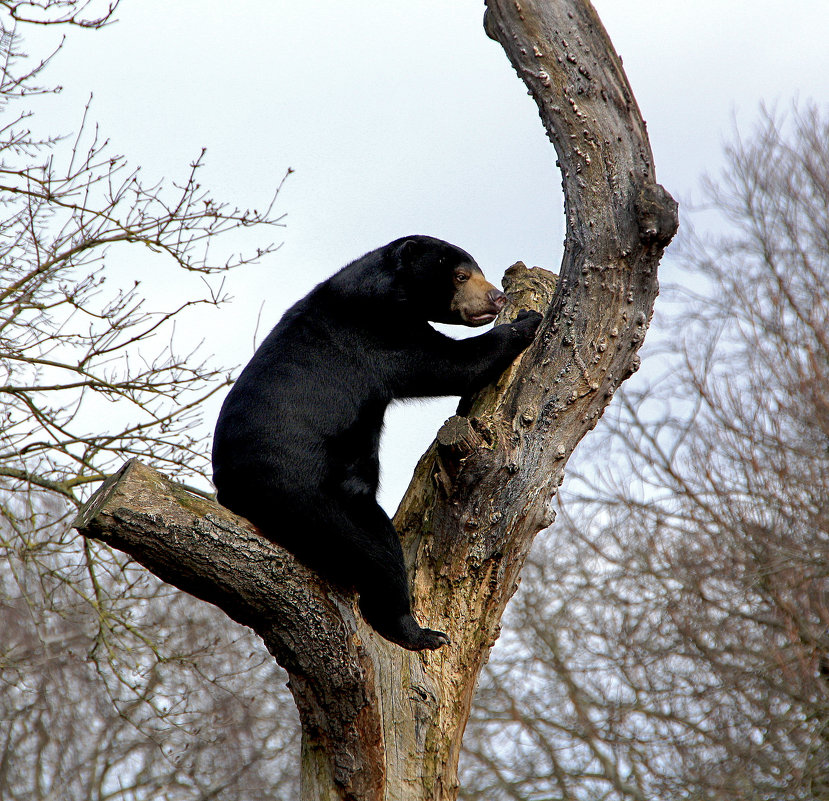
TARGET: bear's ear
(404,253)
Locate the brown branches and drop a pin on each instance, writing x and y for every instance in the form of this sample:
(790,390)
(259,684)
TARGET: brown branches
(80,13)
(69,339)
(99,267)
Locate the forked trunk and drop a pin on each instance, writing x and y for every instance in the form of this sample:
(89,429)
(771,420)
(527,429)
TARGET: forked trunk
(380,723)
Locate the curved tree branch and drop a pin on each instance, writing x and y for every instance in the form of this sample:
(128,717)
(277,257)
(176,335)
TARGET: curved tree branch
(380,722)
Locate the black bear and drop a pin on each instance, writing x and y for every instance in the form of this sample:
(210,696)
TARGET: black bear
(296,444)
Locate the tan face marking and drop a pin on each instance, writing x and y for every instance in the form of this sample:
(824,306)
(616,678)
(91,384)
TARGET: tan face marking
(474,296)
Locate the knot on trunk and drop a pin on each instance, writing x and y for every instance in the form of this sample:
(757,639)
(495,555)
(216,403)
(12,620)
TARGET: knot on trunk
(656,215)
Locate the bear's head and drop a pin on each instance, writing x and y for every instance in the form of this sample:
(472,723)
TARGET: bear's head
(445,283)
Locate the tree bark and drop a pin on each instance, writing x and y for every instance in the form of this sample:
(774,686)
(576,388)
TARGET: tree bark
(380,722)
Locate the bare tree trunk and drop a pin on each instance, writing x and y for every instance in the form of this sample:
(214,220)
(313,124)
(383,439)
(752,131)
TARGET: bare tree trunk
(380,722)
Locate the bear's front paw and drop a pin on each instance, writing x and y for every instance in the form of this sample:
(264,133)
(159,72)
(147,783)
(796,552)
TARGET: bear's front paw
(526,324)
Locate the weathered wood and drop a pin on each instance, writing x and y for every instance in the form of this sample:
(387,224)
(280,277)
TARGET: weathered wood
(309,627)
(380,722)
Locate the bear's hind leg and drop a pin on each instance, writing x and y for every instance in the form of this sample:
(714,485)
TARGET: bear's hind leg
(368,548)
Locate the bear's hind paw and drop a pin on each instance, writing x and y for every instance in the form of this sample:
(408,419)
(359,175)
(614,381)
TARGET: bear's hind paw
(432,640)
(409,635)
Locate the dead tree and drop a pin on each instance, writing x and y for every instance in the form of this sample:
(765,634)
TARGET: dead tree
(380,722)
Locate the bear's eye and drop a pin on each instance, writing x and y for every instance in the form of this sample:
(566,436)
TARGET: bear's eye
(461,277)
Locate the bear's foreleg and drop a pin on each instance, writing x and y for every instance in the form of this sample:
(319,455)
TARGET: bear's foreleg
(446,366)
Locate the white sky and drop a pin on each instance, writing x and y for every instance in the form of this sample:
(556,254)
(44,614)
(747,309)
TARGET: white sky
(405,118)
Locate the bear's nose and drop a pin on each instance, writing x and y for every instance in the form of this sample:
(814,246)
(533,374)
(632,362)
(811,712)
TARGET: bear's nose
(497,297)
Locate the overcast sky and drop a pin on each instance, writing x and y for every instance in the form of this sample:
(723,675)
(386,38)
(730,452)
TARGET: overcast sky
(403,117)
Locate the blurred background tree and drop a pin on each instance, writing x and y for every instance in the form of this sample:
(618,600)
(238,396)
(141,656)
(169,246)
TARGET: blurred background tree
(671,637)
(112,684)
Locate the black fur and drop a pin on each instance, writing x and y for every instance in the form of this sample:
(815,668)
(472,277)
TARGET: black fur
(296,444)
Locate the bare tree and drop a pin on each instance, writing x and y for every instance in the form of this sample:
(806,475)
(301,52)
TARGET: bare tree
(68,340)
(676,620)
(379,722)
(107,676)
(157,696)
